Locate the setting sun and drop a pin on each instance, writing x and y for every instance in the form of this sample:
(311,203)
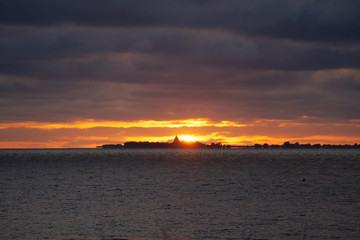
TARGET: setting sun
(187,138)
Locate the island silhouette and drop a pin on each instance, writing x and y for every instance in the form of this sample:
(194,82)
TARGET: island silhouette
(177,143)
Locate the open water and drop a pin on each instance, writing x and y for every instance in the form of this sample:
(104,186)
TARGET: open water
(179,194)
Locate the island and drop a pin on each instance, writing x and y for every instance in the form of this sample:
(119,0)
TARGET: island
(186,145)
(175,144)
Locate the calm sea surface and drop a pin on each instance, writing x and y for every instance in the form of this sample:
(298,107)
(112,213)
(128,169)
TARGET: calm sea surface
(179,194)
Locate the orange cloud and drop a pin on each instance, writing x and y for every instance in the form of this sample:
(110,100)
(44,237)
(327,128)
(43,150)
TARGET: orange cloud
(91,123)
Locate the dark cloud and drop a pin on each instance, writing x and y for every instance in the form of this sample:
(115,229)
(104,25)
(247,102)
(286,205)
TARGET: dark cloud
(134,55)
(305,20)
(131,60)
(286,97)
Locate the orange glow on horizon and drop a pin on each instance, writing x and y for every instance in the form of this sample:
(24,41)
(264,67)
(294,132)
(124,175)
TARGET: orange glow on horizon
(30,145)
(79,134)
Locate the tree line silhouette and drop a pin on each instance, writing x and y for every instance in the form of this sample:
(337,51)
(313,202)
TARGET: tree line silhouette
(182,144)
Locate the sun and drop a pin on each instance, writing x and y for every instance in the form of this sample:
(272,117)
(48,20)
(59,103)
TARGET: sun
(187,138)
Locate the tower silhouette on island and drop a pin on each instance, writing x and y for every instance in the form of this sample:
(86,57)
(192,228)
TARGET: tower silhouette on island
(176,141)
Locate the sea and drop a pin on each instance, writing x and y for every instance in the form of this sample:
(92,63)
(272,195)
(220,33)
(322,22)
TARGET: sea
(157,194)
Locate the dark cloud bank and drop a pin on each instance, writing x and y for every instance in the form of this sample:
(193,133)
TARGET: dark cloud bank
(130,60)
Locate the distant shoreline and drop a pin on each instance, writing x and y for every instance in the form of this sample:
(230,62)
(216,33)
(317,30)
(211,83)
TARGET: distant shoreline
(340,147)
(177,144)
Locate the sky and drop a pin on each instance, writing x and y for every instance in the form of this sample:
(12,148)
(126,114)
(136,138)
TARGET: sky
(82,73)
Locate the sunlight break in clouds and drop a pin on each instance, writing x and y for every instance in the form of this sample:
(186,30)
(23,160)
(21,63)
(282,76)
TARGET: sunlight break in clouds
(91,123)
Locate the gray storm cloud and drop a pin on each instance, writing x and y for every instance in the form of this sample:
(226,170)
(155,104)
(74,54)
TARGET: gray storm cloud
(129,60)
